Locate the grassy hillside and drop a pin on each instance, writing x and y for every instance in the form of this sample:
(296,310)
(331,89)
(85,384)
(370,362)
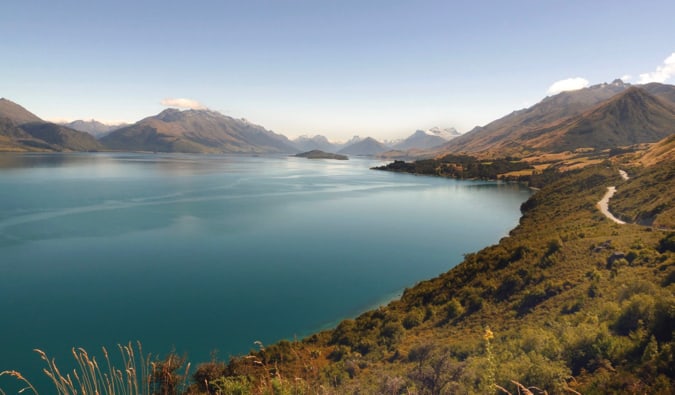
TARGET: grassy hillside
(570,301)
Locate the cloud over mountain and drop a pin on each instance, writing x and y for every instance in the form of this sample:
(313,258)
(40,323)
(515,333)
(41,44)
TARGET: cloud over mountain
(183,103)
(569,84)
(662,73)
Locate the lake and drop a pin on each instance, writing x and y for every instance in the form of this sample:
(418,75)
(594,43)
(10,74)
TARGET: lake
(202,253)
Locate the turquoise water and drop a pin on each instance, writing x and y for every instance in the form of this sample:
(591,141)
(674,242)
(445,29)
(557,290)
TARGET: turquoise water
(199,253)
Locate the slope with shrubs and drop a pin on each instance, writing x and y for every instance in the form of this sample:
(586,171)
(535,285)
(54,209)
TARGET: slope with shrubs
(570,301)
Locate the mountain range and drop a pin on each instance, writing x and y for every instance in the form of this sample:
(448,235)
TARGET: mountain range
(598,117)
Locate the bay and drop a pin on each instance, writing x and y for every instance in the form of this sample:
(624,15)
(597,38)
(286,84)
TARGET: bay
(202,253)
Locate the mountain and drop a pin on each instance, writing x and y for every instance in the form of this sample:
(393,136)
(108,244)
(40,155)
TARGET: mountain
(93,127)
(424,139)
(446,134)
(420,139)
(664,92)
(366,147)
(631,117)
(21,130)
(318,142)
(196,131)
(353,140)
(15,113)
(595,117)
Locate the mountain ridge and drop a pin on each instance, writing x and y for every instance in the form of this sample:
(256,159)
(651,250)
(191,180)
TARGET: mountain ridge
(554,116)
(197,131)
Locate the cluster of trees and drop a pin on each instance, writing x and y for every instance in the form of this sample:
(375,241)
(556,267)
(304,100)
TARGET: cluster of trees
(460,166)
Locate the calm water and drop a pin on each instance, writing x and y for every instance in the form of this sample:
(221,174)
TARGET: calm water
(215,252)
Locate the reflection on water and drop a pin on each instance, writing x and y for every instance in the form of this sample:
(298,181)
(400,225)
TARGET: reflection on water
(104,248)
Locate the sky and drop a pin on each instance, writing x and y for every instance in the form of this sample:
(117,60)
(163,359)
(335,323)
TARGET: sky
(337,68)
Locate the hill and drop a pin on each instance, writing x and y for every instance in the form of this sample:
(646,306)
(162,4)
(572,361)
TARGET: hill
(21,130)
(196,131)
(366,147)
(569,302)
(617,114)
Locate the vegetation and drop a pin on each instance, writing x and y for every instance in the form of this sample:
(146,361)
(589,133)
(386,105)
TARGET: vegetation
(318,154)
(569,302)
(461,166)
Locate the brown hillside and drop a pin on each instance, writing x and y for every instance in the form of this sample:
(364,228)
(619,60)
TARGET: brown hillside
(196,131)
(631,117)
(15,113)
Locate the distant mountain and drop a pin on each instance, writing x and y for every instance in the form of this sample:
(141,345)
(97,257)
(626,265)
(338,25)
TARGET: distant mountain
(424,139)
(197,131)
(318,142)
(353,140)
(366,147)
(595,117)
(446,134)
(93,127)
(421,140)
(21,130)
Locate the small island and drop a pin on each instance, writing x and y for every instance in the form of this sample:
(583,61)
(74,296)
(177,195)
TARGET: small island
(318,154)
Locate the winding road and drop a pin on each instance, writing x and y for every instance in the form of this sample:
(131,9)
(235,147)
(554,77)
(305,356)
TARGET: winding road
(603,204)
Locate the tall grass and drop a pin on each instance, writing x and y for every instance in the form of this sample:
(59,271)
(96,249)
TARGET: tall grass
(136,376)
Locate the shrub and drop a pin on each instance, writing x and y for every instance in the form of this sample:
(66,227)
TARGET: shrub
(636,311)
(454,309)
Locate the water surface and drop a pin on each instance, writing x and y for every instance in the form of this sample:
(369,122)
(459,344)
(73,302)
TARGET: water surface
(200,253)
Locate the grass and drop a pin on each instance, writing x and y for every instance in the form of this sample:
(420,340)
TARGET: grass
(137,375)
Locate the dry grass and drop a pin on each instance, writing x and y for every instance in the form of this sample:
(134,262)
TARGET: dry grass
(133,378)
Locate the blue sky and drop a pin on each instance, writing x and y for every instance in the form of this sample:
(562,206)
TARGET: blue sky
(337,68)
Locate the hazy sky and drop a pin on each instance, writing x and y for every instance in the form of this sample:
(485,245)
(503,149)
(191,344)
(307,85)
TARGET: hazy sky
(338,68)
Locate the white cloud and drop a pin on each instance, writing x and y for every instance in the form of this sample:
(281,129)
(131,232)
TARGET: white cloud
(569,84)
(183,103)
(662,73)
(626,77)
